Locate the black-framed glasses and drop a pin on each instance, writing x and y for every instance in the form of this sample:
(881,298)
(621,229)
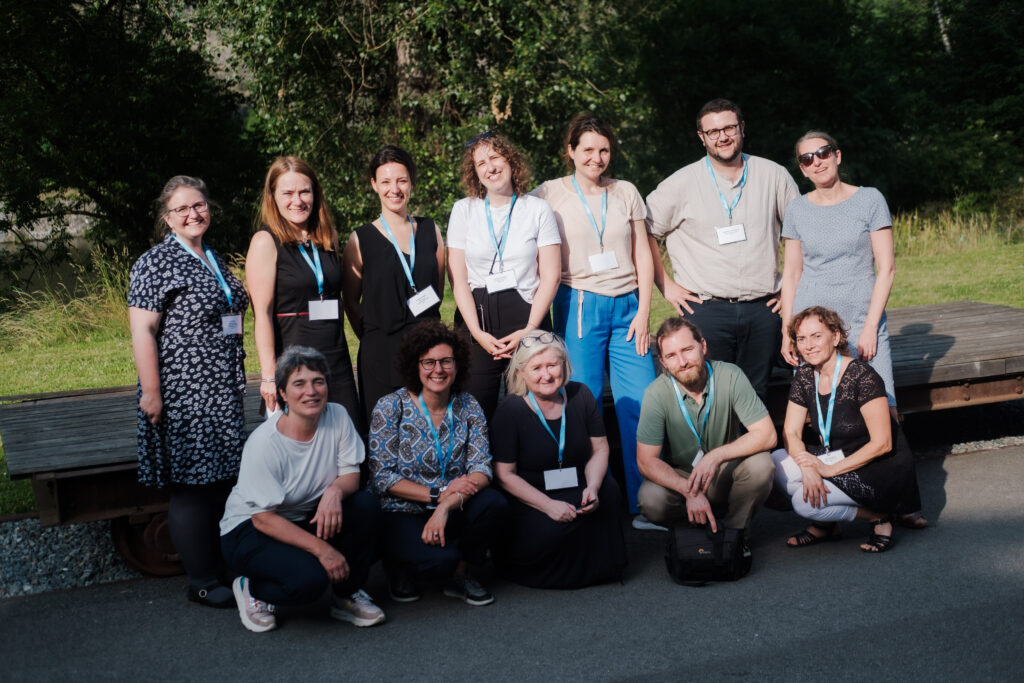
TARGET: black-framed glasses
(823,152)
(534,339)
(185,209)
(428,364)
(715,133)
(486,135)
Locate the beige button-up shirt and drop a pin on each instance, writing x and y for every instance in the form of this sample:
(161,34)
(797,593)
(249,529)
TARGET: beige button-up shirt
(685,210)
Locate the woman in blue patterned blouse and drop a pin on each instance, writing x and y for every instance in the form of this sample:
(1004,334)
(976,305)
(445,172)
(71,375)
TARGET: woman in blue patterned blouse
(430,464)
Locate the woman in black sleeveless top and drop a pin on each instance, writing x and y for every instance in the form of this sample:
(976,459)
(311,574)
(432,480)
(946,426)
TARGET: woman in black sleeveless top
(293,273)
(380,301)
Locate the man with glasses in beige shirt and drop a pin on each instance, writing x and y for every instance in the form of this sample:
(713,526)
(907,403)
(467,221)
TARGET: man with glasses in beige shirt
(721,219)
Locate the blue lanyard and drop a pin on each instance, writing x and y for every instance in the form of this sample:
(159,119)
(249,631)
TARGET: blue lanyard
(721,197)
(442,459)
(499,245)
(211,266)
(707,405)
(318,270)
(590,214)
(407,267)
(825,429)
(544,423)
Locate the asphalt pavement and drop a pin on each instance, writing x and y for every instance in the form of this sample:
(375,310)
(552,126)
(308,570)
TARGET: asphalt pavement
(945,603)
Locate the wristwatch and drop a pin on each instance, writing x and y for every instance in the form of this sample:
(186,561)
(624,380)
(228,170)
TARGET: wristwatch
(435,494)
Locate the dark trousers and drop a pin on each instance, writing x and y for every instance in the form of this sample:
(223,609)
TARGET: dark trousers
(283,574)
(746,333)
(468,535)
(500,314)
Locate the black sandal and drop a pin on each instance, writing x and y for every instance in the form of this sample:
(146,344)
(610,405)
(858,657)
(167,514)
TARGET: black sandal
(805,538)
(879,543)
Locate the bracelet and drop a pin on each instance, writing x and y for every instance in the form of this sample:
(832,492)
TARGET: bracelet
(462,500)
(268,380)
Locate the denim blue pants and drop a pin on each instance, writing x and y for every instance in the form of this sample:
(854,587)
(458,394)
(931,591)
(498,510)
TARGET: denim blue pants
(594,327)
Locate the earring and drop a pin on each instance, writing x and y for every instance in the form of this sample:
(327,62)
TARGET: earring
(285,408)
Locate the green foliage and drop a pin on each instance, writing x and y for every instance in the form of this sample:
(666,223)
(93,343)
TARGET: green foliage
(101,103)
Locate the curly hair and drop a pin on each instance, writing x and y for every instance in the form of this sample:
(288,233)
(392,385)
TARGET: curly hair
(320,225)
(421,338)
(517,163)
(587,123)
(514,382)
(828,318)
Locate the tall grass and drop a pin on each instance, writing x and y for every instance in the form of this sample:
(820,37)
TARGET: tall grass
(952,231)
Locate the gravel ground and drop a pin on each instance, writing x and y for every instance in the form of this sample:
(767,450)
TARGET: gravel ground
(36,560)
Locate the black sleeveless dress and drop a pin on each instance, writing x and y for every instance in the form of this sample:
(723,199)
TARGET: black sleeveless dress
(384,308)
(294,287)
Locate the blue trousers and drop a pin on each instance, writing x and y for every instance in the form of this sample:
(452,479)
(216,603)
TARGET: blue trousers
(283,574)
(594,327)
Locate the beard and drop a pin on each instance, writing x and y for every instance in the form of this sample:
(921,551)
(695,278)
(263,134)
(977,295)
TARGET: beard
(737,150)
(693,379)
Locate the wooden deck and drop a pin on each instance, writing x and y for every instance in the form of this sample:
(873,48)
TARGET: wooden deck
(945,356)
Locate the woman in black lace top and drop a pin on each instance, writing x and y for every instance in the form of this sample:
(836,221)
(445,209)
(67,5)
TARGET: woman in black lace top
(862,467)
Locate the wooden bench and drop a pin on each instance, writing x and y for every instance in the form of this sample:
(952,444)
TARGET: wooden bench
(79,448)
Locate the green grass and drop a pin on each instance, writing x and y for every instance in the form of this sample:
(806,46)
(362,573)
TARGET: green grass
(53,340)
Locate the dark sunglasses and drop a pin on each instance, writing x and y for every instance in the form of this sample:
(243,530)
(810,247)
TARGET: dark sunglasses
(823,152)
(487,134)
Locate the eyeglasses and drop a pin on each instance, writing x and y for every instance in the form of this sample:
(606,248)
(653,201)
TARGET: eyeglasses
(486,135)
(533,339)
(429,363)
(823,152)
(715,133)
(185,209)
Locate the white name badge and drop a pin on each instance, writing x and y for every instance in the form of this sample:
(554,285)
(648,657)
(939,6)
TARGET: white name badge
(832,457)
(564,478)
(421,301)
(231,324)
(731,233)
(696,458)
(323,310)
(604,261)
(499,282)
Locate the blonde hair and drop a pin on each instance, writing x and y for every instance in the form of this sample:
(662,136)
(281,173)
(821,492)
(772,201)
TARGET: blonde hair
(514,382)
(319,227)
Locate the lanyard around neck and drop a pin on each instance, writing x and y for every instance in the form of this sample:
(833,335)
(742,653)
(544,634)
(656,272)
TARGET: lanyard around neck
(318,270)
(590,214)
(825,428)
(721,197)
(407,267)
(706,406)
(211,266)
(442,459)
(499,245)
(544,422)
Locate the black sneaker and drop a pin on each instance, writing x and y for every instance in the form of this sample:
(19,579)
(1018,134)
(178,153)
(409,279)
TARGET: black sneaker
(402,589)
(466,588)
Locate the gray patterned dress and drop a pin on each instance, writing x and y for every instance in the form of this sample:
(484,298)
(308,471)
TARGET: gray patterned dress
(839,265)
(201,433)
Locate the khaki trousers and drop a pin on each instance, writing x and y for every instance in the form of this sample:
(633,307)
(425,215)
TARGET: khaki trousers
(740,485)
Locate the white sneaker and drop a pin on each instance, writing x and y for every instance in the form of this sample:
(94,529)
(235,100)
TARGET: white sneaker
(257,616)
(357,609)
(643,524)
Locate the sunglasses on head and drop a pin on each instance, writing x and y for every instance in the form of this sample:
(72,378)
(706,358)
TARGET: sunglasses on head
(477,138)
(541,338)
(823,152)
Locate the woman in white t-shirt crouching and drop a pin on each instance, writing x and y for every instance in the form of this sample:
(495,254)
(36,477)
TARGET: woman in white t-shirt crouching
(503,260)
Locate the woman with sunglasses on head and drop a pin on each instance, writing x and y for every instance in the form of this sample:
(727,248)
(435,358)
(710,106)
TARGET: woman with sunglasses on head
(503,260)
(293,273)
(551,458)
(393,275)
(430,465)
(836,237)
(602,308)
(185,311)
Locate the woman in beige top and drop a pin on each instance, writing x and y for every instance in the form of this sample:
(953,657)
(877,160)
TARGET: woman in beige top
(602,307)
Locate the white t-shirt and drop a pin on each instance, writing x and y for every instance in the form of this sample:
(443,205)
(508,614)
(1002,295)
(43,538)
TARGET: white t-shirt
(287,476)
(533,226)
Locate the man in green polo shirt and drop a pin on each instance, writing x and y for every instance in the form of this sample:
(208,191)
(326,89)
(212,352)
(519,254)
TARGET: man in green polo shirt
(698,406)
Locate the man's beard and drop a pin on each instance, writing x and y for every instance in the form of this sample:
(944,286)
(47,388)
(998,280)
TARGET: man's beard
(713,150)
(694,379)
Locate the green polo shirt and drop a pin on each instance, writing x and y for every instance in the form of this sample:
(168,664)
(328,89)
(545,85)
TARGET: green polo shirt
(735,403)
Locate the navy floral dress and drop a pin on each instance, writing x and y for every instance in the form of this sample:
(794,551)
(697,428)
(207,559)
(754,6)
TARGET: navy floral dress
(201,433)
